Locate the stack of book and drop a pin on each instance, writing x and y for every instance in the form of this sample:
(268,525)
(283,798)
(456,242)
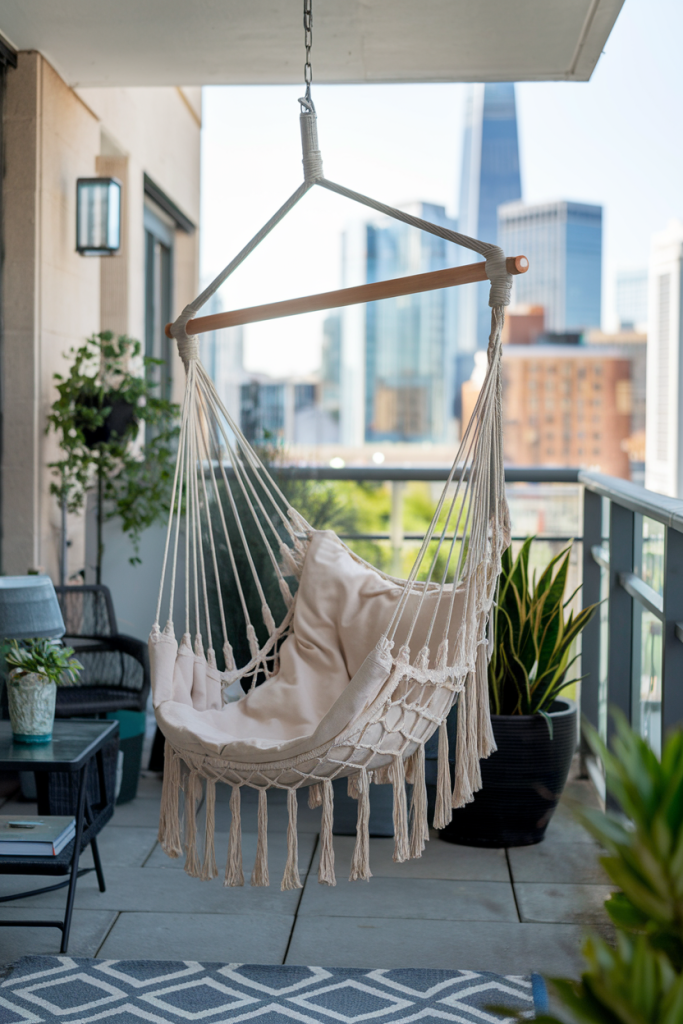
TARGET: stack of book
(31,835)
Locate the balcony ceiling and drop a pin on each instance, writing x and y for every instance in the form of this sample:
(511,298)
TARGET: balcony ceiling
(241,42)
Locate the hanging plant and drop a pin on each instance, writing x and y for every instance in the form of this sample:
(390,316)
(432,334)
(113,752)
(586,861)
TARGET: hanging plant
(116,436)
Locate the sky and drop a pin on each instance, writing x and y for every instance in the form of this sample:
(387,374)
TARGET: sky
(616,140)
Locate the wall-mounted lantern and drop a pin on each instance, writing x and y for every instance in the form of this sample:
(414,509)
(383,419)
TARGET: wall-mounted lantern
(98,216)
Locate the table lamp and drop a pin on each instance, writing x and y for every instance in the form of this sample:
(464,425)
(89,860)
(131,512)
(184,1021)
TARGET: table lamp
(29,608)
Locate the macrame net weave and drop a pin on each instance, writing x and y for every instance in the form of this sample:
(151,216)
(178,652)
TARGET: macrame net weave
(344,671)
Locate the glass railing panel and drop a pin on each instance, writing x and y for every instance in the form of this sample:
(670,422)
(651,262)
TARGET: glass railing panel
(649,552)
(646,691)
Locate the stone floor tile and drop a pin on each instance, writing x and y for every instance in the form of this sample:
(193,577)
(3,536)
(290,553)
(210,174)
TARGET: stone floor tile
(557,863)
(138,813)
(149,786)
(132,889)
(121,846)
(568,904)
(426,898)
(227,938)
(499,946)
(277,854)
(439,860)
(88,930)
(564,828)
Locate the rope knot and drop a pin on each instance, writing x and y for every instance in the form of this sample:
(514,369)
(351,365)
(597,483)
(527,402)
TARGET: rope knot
(188,344)
(312,157)
(501,281)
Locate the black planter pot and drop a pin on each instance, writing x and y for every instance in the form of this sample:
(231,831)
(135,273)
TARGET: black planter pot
(118,421)
(522,781)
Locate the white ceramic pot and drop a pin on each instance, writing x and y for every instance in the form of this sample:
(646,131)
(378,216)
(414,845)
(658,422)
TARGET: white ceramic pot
(31,706)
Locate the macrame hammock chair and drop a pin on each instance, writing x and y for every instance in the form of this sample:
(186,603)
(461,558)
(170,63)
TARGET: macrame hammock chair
(349,671)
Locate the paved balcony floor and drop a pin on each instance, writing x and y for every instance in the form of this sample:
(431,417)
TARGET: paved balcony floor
(510,911)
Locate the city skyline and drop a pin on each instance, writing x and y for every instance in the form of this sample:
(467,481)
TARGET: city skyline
(599,141)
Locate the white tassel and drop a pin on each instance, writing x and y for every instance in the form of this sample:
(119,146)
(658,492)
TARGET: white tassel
(268,620)
(473,766)
(259,875)
(315,795)
(234,875)
(228,656)
(169,817)
(419,830)
(462,790)
(326,873)
(353,787)
(253,641)
(290,879)
(286,593)
(192,785)
(401,846)
(209,868)
(486,739)
(360,863)
(443,812)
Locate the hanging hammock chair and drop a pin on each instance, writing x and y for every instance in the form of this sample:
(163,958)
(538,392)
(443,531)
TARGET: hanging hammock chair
(347,671)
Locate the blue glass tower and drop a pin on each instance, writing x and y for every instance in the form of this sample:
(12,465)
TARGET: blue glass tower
(408,393)
(490,176)
(563,241)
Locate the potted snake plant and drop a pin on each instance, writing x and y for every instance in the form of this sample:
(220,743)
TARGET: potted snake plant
(38,668)
(535,727)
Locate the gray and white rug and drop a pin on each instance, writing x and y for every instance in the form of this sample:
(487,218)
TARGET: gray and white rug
(73,990)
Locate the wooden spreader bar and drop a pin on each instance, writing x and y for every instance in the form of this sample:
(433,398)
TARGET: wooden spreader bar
(350,296)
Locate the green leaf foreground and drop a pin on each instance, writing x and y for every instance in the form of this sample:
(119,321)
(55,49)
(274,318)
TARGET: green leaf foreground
(641,980)
(532,637)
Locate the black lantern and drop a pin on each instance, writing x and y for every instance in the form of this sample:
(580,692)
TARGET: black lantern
(98,216)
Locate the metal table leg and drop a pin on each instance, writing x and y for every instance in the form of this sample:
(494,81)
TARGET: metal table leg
(80,811)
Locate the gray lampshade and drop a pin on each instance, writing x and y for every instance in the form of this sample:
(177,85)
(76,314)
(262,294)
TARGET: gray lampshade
(29,608)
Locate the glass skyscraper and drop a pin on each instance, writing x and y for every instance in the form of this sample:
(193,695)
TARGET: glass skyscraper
(563,242)
(490,176)
(407,338)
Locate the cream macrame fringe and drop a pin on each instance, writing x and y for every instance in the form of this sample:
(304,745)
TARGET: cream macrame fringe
(411,831)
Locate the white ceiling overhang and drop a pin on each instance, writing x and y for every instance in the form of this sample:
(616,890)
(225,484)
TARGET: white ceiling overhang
(242,42)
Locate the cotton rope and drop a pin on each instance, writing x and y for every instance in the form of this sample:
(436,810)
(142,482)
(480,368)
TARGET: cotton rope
(233,514)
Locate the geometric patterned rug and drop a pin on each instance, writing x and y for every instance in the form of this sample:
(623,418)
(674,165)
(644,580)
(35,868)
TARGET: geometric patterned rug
(76,990)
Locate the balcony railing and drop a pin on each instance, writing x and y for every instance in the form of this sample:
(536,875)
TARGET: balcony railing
(630,547)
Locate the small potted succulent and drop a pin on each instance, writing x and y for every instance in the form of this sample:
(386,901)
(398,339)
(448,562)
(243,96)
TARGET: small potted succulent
(39,667)
(534,726)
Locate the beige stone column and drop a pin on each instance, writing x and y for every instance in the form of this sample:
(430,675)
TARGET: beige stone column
(51,294)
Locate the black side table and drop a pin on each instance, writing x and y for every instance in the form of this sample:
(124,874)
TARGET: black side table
(75,745)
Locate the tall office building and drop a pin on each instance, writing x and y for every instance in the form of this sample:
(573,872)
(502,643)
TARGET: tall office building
(631,296)
(664,409)
(397,355)
(222,354)
(563,242)
(490,176)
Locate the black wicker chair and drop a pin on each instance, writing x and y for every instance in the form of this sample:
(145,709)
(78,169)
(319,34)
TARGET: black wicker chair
(115,673)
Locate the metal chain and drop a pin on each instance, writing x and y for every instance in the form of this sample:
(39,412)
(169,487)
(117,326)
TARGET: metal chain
(308,43)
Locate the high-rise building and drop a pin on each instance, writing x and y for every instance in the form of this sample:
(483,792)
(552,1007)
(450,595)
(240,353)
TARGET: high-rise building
(397,355)
(567,405)
(563,242)
(631,298)
(490,176)
(664,411)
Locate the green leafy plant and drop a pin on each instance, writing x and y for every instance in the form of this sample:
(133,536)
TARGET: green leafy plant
(533,635)
(101,407)
(47,658)
(641,980)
